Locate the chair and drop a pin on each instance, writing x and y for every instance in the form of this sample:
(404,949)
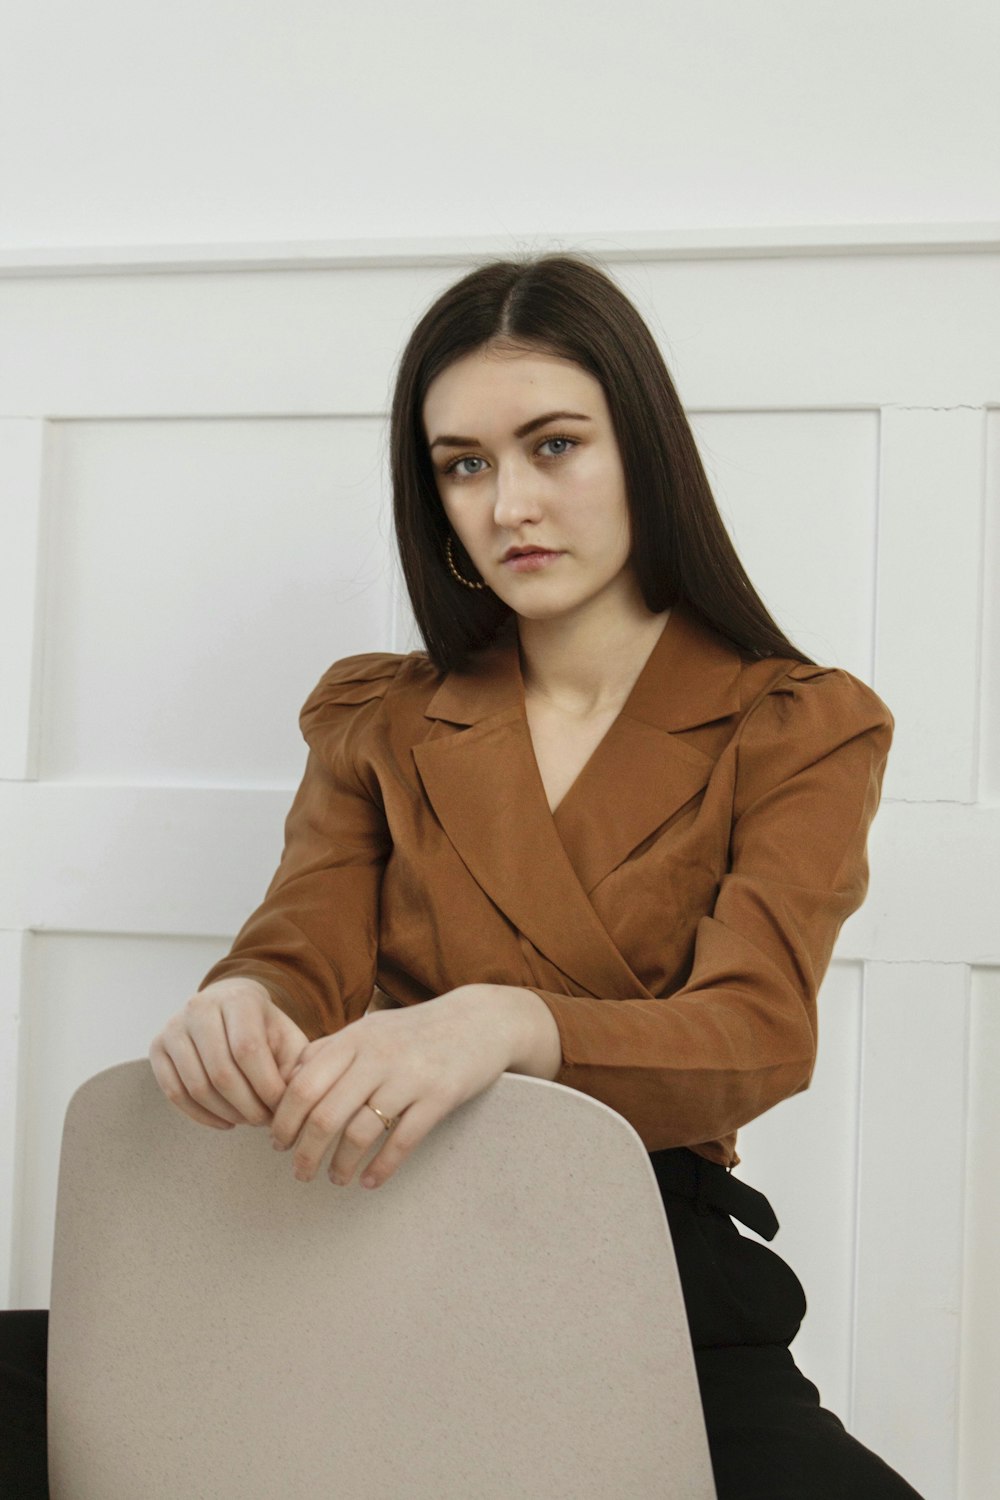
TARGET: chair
(501,1320)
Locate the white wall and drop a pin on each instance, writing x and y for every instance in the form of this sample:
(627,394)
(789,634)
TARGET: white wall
(208,120)
(194,514)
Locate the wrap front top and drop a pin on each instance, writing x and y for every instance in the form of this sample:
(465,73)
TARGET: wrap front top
(676,913)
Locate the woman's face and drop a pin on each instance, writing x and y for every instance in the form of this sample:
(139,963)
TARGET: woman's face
(542,513)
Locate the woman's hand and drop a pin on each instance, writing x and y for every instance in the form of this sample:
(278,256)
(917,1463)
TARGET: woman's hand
(225,1057)
(417,1063)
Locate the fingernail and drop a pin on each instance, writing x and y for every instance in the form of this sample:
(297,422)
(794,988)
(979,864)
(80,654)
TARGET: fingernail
(335,1177)
(277,1145)
(368,1181)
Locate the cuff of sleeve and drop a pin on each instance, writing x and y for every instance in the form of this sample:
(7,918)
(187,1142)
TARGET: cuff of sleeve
(276,984)
(561,1007)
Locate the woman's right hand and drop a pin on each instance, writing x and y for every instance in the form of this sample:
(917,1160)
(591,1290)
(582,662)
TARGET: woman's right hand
(225,1058)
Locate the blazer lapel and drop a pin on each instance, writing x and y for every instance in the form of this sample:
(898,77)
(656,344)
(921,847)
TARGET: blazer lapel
(484,785)
(479,771)
(642,772)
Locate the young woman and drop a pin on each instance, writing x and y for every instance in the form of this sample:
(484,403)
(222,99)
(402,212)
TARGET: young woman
(604,830)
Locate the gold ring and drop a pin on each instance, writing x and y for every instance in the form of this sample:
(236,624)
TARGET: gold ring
(385,1120)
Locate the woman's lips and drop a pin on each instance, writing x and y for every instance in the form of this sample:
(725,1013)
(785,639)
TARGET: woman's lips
(530,562)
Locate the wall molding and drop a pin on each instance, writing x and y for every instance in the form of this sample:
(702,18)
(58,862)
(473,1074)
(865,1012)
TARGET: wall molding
(720,243)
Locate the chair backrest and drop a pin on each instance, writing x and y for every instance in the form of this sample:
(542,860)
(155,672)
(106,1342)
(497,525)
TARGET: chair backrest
(502,1318)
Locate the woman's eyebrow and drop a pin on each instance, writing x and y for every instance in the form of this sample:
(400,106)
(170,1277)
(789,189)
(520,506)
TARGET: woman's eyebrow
(449,440)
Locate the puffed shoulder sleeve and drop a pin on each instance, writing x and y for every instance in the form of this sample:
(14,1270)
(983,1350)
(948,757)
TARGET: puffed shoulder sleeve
(312,941)
(740,1033)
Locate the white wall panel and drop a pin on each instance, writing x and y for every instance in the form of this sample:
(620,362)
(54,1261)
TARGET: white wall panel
(89,1002)
(302,343)
(198,571)
(21,526)
(136,859)
(798,493)
(803,1155)
(989,692)
(11,1088)
(780,332)
(929,553)
(979,1432)
(911,1199)
(935,877)
(827,332)
(212,120)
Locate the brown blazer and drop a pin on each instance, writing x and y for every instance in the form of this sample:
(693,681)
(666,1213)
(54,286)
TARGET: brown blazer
(676,913)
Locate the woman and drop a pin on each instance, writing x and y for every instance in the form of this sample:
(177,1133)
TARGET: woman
(605,830)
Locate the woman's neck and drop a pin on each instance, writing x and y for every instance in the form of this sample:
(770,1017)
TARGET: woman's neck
(587,664)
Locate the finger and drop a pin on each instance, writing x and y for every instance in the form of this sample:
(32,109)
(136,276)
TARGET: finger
(185,1057)
(314,1079)
(288,1043)
(359,1135)
(414,1125)
(170,1083)
(250,1048)
(296,1060)
(338,1118)
(207,1032)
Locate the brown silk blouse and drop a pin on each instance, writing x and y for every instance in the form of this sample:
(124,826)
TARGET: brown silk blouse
(676,913)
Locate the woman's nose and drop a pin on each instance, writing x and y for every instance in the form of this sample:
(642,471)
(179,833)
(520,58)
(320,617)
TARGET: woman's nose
(516,500)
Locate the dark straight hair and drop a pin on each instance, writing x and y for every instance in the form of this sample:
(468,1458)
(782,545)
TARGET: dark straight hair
(567,306)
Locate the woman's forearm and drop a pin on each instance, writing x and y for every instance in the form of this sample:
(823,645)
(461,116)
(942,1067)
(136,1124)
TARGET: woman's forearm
(534,1044)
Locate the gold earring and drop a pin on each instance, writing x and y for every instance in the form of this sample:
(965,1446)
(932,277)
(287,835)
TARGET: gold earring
(466,582)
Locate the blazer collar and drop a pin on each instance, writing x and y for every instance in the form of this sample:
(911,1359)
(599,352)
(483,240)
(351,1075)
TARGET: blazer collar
(480,774)
(691,677)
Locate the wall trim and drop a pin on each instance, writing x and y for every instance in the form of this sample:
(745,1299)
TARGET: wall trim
(725,243)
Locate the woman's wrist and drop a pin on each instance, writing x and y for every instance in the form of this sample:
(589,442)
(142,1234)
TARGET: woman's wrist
(534,1044)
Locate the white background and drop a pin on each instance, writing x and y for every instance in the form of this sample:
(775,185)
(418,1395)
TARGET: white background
(218,224)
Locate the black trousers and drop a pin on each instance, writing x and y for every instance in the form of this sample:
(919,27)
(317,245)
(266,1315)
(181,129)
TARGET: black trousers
(770,1439)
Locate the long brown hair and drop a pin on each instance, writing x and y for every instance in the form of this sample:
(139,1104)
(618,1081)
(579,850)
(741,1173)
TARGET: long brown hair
(568,306)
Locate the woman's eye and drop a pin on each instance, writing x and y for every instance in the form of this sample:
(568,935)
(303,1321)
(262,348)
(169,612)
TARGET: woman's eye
(571,441)
(453,467)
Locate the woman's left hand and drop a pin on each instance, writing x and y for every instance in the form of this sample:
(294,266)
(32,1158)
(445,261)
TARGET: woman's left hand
(416,1063)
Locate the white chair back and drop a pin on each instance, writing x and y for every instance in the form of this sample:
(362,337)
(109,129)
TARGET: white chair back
(502,1319)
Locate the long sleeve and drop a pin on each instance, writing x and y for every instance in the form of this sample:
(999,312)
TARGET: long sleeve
(740,1034)
(312,942)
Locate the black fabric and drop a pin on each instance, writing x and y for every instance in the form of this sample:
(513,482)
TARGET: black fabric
(688,1175)
(23,1459)
(769,1437)
(736,1291)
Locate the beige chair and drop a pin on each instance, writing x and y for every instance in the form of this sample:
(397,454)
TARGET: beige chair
(502,1320)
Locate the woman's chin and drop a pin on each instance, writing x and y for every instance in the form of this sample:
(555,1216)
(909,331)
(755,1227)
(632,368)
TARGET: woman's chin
(541,609)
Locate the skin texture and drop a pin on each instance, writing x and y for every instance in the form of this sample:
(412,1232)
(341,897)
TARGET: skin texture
(561,486)
(582,622)
(230,1056)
